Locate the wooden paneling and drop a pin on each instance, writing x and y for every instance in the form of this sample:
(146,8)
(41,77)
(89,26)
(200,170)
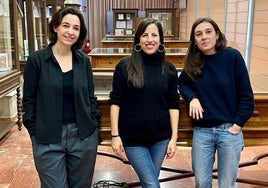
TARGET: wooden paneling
(110,62)
(176,43)
(176,60)
(114,44)
(105,62)
(109,57)
(256,129)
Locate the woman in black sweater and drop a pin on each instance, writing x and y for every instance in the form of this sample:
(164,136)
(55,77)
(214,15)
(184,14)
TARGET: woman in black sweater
(145,105)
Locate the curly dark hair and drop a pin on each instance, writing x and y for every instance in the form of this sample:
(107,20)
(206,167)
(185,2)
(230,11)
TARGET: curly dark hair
(56,21)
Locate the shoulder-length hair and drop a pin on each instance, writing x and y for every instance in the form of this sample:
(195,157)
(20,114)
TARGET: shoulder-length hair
(134,67)
(56,21)
(194,60)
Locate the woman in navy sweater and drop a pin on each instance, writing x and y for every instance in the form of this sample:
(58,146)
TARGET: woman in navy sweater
(145,105)
(216,84)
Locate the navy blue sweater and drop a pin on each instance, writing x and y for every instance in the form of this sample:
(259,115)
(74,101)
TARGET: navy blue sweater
(224,90)
(144,113)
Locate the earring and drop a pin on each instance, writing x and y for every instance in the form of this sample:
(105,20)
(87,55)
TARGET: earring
(161,48)
(137,48)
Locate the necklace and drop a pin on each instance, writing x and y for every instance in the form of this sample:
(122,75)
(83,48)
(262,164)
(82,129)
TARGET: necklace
(63,59)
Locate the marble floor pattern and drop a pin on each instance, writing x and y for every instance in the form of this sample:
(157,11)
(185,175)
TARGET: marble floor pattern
(17,167)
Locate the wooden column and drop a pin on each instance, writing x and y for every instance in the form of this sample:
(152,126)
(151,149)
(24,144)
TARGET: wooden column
(30,26)
(42,6)
(14,34)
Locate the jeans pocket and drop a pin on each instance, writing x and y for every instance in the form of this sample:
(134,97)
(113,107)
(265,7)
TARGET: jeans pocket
(233,133)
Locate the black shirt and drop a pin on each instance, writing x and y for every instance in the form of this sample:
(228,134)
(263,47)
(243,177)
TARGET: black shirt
(68,106)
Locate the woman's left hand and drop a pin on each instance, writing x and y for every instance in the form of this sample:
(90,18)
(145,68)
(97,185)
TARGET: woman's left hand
(235,129)
(171,150)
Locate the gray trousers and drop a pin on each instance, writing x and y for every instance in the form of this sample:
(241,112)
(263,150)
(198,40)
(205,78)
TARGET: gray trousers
(69,164)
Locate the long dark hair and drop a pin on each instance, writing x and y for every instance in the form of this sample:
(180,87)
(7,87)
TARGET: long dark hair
(134,67)
(56,21)
(194,60)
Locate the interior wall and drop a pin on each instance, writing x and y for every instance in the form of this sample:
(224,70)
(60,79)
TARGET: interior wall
(236,24)
(232,16)
(217,11)
(259,50)
(196,9)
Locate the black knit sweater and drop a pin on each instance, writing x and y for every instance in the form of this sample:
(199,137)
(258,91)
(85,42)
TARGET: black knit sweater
(144,113)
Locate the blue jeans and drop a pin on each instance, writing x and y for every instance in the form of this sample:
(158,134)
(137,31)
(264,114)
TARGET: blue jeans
(147,162)
(206,141)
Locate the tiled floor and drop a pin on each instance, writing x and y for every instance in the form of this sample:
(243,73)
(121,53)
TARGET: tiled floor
(17,168)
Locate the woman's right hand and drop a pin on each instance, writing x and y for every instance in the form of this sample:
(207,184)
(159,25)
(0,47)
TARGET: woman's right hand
(117,147)
(195,109)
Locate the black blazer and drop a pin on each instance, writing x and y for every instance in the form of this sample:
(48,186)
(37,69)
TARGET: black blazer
(43,97)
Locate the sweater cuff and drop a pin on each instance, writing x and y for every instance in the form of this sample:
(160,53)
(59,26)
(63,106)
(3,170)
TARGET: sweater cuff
(191,98)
